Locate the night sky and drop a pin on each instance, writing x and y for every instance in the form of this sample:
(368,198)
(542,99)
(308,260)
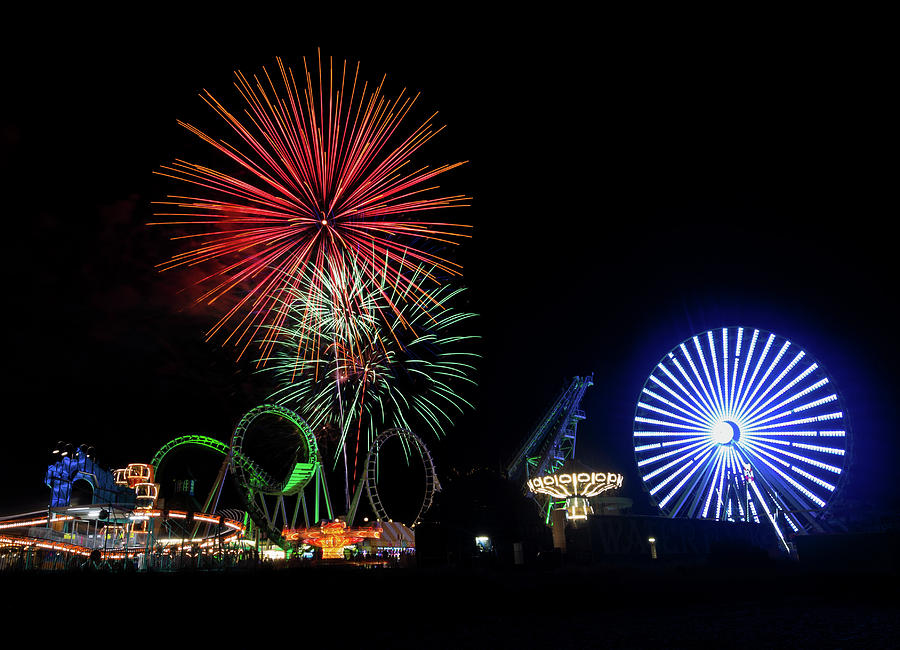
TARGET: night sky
(632,186)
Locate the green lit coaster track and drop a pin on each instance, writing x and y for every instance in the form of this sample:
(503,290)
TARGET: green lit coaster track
(304,468)
(277,502)
(265,496)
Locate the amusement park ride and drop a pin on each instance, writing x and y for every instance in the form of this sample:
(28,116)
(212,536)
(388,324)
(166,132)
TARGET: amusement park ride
(124,521)
(739,424)
(562,488)
(734,424)
(548,450)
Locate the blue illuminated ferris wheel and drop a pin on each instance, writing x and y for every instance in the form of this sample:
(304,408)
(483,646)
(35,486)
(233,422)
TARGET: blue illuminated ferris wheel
(740,424)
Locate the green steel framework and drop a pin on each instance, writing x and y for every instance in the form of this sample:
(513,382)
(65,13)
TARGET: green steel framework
(307,468)
(256,483)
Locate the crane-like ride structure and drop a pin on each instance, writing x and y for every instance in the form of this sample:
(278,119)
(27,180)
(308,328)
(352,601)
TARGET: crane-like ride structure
(551,443)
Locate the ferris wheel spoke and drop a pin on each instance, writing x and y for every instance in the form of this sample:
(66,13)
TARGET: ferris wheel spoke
(800,377)
(727,400)
(746,394)
(712,391)
(700,475)
(669,434)
(769,385)
(694,393)
(751,387)
(798,409)
(834,415)
(755,406)
(749,358)
(766,434)
(697,415)
(708,398)
(713,480)
(696,466)
(793,456)
(671,477)
(690,451)
(789,485)
(670,414)
(758,412)
(820,448)
(691,429)
(739,339)
(701,409)
(686,450)
(712,354)
(769,492)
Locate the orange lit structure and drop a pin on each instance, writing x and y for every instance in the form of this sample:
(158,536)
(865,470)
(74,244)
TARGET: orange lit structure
(332,537)
(138,473)
(117,542)
(139,477)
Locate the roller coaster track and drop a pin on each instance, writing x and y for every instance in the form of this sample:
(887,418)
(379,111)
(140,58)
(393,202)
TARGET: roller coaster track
(257,476)
(369,479)
(250,475)
(255,482)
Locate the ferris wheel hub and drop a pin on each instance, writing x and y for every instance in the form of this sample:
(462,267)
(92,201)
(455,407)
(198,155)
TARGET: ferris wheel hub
(725,431)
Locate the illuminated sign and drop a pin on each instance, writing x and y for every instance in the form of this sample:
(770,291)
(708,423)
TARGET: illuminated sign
(581,484)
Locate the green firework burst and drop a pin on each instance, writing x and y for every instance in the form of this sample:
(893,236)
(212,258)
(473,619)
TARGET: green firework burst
(367,366)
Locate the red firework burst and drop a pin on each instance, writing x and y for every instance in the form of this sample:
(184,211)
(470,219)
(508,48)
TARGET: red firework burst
(320,183)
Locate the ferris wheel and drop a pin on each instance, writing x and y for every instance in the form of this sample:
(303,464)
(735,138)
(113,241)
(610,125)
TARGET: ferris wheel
(740,424)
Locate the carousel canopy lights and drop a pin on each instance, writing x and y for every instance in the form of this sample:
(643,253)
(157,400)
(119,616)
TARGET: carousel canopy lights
(580,484)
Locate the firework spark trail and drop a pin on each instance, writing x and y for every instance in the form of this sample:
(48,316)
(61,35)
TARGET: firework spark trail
(319,186)
(372,372)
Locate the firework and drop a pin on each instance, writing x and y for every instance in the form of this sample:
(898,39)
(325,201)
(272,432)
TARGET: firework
(369,367)
(322,179)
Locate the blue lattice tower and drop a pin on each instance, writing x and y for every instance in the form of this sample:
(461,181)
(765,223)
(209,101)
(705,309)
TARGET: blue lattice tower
(552,442)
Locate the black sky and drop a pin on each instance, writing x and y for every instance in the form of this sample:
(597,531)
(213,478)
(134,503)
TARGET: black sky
(632,184)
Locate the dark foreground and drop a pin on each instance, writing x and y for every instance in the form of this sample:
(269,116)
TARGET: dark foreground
(652,606)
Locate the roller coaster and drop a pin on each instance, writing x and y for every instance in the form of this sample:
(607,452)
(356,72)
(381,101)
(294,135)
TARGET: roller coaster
(125,525)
